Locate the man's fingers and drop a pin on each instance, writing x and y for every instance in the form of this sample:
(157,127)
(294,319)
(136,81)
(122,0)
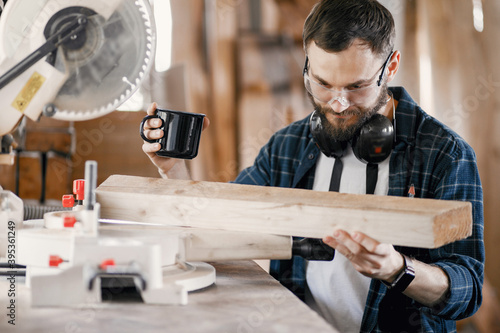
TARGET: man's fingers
(356,241)
(152,123)
(330,241)
(206,123)
(342,242)
(152,109)
(153,134)
(344,238)
(368,243)
(368,256)
(149,148)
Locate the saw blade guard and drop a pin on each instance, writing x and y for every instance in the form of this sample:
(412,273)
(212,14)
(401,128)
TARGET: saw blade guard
(101,66)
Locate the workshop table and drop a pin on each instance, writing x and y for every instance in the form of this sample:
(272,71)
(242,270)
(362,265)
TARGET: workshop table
(244,299)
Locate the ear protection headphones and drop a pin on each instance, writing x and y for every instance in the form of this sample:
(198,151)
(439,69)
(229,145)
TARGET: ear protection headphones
(371,144)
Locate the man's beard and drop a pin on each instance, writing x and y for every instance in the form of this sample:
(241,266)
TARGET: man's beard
(342,131)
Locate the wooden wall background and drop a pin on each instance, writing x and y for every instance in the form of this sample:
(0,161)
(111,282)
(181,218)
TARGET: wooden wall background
(240,62)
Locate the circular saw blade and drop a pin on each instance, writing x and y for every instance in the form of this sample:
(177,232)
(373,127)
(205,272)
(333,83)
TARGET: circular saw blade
(109,66)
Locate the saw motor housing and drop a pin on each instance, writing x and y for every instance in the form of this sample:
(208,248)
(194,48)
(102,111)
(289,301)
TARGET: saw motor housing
(71,60)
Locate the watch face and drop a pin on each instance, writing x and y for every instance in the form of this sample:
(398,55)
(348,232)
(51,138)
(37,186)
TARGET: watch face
(406,277)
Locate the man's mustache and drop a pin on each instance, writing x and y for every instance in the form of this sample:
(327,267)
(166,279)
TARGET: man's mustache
(325,111)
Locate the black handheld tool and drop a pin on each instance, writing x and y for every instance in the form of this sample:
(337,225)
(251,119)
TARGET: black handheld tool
(312,249)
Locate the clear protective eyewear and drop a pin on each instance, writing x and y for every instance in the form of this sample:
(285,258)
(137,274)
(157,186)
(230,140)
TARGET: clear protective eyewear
(347,97)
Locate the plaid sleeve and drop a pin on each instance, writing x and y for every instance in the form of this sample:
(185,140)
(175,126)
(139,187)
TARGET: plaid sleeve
(463,261)
(259,173)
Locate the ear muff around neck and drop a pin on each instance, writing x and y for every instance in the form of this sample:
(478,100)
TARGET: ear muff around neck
(329,147)
(374,142)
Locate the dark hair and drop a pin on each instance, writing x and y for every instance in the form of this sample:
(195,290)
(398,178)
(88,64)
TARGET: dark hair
(334,24)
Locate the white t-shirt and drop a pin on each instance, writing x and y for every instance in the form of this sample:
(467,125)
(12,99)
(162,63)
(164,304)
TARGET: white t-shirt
(335,289)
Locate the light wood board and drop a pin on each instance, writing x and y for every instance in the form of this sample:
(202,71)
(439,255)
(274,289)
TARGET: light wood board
(425,223)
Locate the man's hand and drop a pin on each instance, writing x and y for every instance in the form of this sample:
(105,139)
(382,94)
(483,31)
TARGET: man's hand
(381,261)
(368,256)
(167,167)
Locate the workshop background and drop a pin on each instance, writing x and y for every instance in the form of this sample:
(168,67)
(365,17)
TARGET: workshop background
(240,62)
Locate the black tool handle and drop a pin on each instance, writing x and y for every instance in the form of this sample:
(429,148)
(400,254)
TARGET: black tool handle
(312,249)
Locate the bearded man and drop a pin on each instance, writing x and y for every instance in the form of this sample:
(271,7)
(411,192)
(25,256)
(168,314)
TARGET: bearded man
(367,138)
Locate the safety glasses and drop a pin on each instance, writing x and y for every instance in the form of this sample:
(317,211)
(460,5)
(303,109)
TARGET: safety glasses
(356,95)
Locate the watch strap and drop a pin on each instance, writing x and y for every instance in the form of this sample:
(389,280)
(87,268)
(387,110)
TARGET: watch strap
(403,280)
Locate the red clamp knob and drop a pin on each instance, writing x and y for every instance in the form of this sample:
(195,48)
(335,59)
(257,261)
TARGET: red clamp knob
(79,188)
(68,201)
(106,263)
(69,221)
(55,261)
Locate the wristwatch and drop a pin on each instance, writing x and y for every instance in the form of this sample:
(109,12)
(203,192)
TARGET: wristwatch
(403,280)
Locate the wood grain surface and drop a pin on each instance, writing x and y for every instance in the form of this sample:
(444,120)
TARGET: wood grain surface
(293,212)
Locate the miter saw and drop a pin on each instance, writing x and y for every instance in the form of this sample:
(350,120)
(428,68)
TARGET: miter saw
(71,59)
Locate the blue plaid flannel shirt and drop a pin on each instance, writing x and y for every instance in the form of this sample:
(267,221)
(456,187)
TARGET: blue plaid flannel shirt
(441,165)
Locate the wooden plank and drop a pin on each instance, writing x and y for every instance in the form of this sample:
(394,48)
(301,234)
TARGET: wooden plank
(30,172)
(206,244)
(188,50)
(423,223)
(7,159)
(45,141)
(58,177)
(221,25)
